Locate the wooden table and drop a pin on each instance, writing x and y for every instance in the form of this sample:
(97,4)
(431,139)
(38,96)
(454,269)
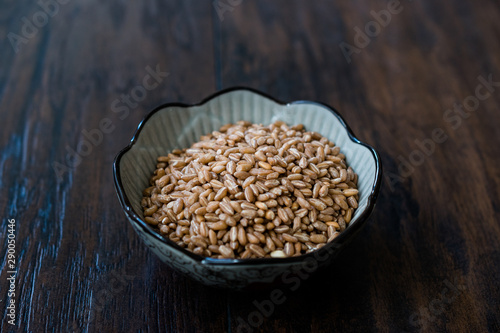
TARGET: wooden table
(418,80)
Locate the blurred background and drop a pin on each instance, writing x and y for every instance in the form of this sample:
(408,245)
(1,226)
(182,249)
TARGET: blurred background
(77,77)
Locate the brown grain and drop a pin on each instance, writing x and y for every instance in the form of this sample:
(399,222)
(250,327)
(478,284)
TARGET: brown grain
(252,191)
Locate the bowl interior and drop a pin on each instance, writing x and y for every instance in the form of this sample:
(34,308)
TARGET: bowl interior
(174,127)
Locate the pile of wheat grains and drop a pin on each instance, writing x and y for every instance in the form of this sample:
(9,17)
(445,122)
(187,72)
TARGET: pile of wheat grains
(252,191)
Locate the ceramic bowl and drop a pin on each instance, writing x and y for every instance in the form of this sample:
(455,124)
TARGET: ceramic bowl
(172,126)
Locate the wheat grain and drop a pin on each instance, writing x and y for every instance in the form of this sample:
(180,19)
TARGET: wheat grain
(252,191)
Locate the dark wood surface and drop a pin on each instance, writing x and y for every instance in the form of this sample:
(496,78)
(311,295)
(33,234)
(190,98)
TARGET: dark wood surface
(429,258)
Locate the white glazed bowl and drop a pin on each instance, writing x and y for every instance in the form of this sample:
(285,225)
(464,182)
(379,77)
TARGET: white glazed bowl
(174,126)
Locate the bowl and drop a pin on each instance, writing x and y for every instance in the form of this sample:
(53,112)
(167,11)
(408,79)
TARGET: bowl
(177,126)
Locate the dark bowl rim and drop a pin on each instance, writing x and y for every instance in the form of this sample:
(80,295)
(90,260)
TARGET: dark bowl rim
(336,243)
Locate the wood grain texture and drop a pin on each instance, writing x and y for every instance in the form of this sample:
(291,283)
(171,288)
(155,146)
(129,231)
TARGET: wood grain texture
(82,268)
